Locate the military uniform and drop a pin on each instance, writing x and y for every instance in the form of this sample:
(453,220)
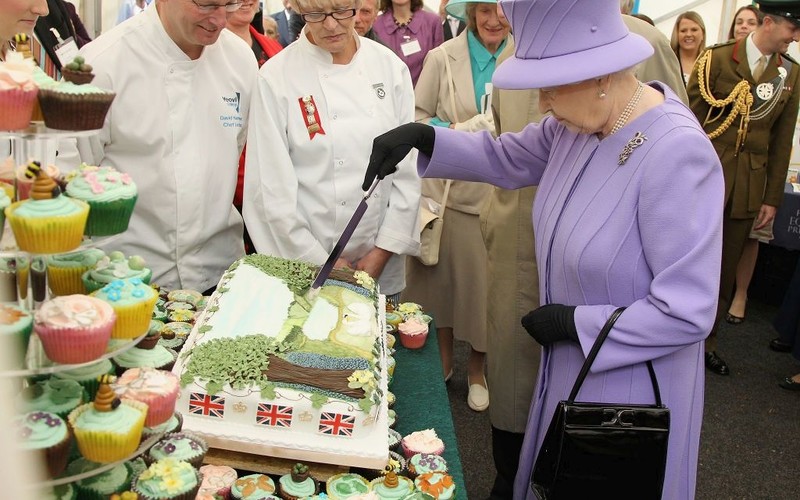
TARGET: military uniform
(755,154)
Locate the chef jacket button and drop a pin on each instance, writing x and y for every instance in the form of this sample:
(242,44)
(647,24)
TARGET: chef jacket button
(341,162)
(344,203)
(172,70)
(335,116)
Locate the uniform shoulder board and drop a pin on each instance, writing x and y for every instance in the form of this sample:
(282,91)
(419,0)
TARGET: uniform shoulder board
(722,44)
(787,56)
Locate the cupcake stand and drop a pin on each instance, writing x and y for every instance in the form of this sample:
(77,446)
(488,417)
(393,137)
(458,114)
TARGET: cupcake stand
(23,277)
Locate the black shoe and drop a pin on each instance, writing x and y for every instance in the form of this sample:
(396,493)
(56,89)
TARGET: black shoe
(789,384)
(716,364)
(734,320)
(779,346)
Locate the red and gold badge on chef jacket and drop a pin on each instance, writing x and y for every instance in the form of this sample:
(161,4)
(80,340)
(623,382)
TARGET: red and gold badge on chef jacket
(310,114)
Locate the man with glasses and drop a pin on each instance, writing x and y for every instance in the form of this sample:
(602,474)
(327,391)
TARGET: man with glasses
(177,126)
(317,106)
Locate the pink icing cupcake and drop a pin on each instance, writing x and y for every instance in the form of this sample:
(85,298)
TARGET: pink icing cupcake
(158,389)
(17,91)
(74,328)
(217,480)
(422,442)
(413,333)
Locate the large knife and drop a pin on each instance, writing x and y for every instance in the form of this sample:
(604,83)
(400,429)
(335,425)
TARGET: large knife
(326,268)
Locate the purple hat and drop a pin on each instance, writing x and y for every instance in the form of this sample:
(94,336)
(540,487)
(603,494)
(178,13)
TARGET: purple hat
(566,41)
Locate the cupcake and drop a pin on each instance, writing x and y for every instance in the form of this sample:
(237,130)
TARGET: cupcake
(417,495)
(47,222)
(394,440)
(420,463)
(53,395)
(114,267)
(413,333)
(160,312)
(153,335)
(217,480)
(157,389)
(110,194)
(422,442)
(17,91)
(61,492)
(393,320)
(70,105)
(192,297)
(167,479)
(15,331)
(108,429)
(179,446)
(77,71)
(64,270)
(47,435)
(24,181)
(133,302)
(159,357)
(297,484)
(74,328)
(391,415)
(174,424)
(392,486)
(5,201)
(87,376)
(100,486)
(347,485)
(437,484)
(253,487)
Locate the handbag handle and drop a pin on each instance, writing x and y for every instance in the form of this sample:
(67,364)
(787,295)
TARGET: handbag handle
(601,337)
(450,87)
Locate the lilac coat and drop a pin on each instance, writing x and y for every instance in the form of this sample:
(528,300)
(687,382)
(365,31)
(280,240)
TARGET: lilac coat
(646,235)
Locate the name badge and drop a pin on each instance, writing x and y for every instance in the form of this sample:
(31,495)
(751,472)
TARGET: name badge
(410,47)
(66,51)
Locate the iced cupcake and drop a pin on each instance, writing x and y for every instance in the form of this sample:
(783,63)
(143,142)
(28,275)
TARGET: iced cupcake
(157,389)
(74,328)
(64,270)
(159,357)
(17,91)
(73,106)
(413,333)
(16,325)
(297,484)
(114,267)
(392,486)
(110,194)
(108,429)
(422,442)
(87,376)
(173,424)
(179,446)
(47,435)
(217,480)
(47,222)
(437,484)
(133,302)
(100,486)
(345,486)
(253,487)
(52,395)
(420,463)
(167,479)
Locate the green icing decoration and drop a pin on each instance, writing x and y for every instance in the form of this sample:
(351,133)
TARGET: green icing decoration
(204,328)
(365,404)
(318,400)
(268,391)
(297,275)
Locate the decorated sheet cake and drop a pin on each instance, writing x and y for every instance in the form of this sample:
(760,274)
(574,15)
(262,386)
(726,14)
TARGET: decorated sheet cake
(269,369)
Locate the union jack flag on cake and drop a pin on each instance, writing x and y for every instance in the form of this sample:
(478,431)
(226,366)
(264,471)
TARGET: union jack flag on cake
(274,415)
(336,424)
(203,404)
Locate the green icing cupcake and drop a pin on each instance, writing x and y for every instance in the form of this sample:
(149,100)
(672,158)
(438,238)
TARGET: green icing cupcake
(59,396)
(179,446)
(297,484)
(87,376)
(168,479)
(64,271)
(110,194)
(15,331)
(45,434)
(158,357)
(62,492)
(253,487)
(113,267)
(103,485)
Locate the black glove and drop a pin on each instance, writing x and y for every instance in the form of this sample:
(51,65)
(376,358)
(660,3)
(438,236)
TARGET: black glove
(389,148)
(551,323)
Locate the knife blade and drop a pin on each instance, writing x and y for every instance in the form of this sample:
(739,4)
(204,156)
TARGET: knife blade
(327,267)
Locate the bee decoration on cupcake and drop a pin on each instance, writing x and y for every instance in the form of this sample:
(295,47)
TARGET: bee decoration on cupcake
(44,187)
(106,399)
(22,44)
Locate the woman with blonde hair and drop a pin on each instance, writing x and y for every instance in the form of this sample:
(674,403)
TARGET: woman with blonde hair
(688,41)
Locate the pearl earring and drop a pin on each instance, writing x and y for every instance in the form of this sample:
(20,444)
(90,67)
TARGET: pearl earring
(602,95)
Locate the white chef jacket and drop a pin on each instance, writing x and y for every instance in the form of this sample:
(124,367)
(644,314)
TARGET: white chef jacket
(300,192)
(177,126)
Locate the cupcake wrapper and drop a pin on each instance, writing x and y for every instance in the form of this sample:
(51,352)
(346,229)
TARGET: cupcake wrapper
(56,456)
(56,234)
(74,345)
(16,108)
(106,446)
(413,341)
(159,408)
(133,320)
(189,495)
(109,217)
(85,491)
(66,280)
(408,453)
(74,112)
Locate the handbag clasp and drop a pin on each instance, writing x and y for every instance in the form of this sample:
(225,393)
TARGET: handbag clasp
(622,418)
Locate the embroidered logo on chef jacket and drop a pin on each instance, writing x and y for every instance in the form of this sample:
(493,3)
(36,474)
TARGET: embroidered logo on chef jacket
(234,102)
(379,90)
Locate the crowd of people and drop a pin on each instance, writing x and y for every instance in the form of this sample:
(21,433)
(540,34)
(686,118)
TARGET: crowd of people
(651,196)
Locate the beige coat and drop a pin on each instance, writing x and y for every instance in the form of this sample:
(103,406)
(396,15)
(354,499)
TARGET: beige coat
(433,100)
(513,279)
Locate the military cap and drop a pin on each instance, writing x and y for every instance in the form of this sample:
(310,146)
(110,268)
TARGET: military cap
(790,9)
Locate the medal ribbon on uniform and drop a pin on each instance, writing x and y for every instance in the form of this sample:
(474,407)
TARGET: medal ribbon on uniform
(310,114)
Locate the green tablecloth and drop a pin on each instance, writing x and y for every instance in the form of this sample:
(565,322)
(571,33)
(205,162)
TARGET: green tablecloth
(422,401)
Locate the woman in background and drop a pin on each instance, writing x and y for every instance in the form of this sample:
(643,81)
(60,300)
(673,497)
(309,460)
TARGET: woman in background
(688,41)
(409,31)
(746,20)
(452,92)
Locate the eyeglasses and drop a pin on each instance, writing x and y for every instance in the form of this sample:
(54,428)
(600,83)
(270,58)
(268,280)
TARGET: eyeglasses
(208,8)
(318,17)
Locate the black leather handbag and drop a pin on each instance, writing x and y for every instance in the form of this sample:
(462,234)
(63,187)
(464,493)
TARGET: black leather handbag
(603,450)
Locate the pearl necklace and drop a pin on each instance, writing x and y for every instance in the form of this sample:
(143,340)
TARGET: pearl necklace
(626,113)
